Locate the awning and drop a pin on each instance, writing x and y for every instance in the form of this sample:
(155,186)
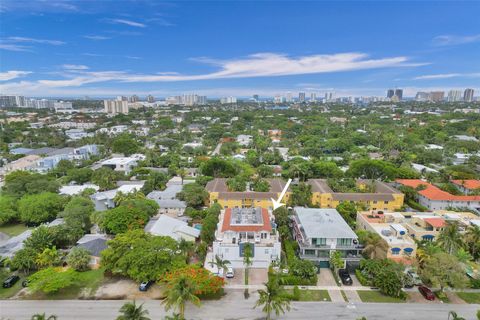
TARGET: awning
(396,249)
(408,250)
(428,236)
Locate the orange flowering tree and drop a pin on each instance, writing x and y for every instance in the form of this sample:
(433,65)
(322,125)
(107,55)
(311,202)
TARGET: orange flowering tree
(202,280)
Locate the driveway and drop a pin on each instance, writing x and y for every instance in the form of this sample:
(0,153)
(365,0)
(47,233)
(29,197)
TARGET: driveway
(325,278)
(416,297)
(257,276)
(356,283)
(239,277)
(127,289)
(352,296)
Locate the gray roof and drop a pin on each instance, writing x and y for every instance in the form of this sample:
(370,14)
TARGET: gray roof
(95,245)
(323,223)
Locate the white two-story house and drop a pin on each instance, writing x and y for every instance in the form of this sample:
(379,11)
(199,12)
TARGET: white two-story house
(240,226)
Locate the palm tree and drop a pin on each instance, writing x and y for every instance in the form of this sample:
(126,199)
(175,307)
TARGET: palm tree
(425,251)
(273,299)
(130,311)
(186,247)
(472,239)
(179,292)
(221,264)
(42,316)
(373,244)
(247,259)
(450,239)
(454,316)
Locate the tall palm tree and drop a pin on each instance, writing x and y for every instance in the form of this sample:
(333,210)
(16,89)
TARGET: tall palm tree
(273,299)
(472,239)
(247,259)
(450,239)
(42,316)
(179,292)
(130,311)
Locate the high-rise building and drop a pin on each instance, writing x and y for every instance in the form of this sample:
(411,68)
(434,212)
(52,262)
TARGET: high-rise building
(7,101)
(114,107)
(228,100)
(20,101)
(279,99)
(390,93)
(468,95)
(201,100)
(301,96)
(289,97)
(256,97)
(454,95)
(134,98)
(313,97)
(437,96)
(422,96)
(122,98)
(399,94)
(63,106)
(150,99)
(329,96)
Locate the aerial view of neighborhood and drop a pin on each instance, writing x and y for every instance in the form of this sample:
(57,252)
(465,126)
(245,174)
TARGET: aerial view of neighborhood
(239,160)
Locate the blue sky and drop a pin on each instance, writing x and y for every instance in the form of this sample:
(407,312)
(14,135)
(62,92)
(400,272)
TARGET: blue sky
(107,48)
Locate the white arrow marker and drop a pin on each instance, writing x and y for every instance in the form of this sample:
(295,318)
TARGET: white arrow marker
(277,203)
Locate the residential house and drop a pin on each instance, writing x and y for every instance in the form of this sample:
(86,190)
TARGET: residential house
(434,198)
(105,200)
(319,232)
(122,164)
(244,140)
(238,227)
(167,199)
(171,227)
(399,247)
(94,244)
(467,186)
(73,190)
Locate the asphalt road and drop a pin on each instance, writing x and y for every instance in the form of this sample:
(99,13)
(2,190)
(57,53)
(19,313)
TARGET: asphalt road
(236,309)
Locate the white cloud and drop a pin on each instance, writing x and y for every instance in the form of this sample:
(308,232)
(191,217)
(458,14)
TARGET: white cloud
(256,65)
(447,76)
(451,40)
(74,67)
(95,37)
(13,74)
(14,47)
(32,40)
(127,22)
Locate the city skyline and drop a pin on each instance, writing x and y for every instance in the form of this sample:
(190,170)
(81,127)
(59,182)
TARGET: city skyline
(77,48)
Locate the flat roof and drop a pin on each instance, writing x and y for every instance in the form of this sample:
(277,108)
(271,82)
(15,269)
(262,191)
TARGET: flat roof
(323,223)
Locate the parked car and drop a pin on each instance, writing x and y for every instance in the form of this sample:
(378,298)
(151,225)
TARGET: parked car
(345,277)
(10,281)
(230,273)
(144,286)
(427,293)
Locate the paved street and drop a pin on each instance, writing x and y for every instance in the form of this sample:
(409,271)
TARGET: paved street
(236,307)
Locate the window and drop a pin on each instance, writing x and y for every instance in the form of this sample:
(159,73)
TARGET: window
(344,242)
(267,251)
(309,252)
(320,241)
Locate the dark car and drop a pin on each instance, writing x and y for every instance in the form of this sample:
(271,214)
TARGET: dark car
(10,281)
(345,277)
(427,293)
(145,285)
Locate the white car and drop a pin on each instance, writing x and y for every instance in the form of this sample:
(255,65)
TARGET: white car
(230,273)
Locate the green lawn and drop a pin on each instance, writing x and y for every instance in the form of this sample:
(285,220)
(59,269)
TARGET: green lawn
(9,292)
(469,297)
(13,229)
(88,282)
(377,296)
(312,295)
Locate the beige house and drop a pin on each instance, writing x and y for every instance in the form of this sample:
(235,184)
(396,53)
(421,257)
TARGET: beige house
(24,163)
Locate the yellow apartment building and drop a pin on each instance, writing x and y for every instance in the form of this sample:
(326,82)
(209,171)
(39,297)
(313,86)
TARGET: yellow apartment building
(384,197)
(219,193)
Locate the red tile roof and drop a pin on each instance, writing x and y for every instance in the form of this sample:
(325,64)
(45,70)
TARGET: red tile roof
(468,184)
(434,193)
(435,222)
(226,226)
